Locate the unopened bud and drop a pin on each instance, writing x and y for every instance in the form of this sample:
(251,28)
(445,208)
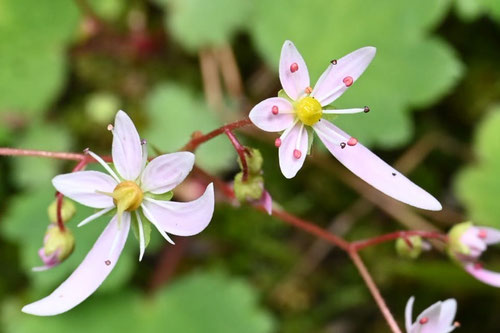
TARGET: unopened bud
(68,210)
(409,247)
(459,245)
(254,161)
(57,246)
(248,190)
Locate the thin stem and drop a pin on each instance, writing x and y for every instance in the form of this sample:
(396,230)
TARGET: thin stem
(59,202)
(361,244)
(199,139)
(374,291)
(241,153)
(41,153)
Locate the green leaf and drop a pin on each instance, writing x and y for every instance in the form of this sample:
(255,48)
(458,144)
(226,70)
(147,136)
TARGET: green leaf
(146,225)
(32,55)
(175,113)
(200,302)
(197,23)
(25,223)
(478,185)
(31,172)
(411,69)
(471,9)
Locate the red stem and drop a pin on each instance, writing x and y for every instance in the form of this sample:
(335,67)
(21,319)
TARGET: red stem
(241,153)
(361,244)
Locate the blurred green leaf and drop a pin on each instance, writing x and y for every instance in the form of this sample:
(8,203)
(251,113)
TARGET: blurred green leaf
(109,9)
(478,185)
(25,223)
(33,35)
(472,9)
(201,302)
(411,69)
(199,23)
(31,172)
(175,114)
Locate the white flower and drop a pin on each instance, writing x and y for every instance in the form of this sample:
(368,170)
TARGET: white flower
(129,190)
(437,318)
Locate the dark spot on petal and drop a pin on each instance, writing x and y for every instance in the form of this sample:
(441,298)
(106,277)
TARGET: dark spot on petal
(107,262)
(394,174)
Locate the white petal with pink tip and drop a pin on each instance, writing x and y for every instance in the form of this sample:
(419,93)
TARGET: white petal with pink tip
(336,79)
(294,75)
(272,114)
(483,275)
(126,148)
(94,269)
(167,171)
(369,167)
(84,187)
(293,150)
(182,218)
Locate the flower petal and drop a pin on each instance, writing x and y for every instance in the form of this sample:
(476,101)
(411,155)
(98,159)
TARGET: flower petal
(83,187)
(294,75)
(483,275)
(431,324)
(491,235)
(126,149)
(447,316)
(337,78)
(369,167)
(263,117)
(266,201)
(167,171)
(408,314)
(89,275)
(296,139)
(181,218)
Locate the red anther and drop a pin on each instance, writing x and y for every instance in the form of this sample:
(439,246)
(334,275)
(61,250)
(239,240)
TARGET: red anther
(333,62)
(478,265)
(366,109)
(352,141)
(294,67)
(309,90)
(277,142)
(297,153)
(274,110)
(107,262)
(482,234)
(424,320)
(348,81)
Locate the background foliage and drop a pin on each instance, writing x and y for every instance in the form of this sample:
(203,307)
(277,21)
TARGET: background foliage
(67,66)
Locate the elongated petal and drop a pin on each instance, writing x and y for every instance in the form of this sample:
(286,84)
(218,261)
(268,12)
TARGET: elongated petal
(182,218)
(408,314)
(369,167)
(295,140)
(337,78)
(84,187)
(490,235)
(447,316)
(483,275)
(294,75)
(167,171)
(431,322)
(126,149)
(266,201)
(263,117)
(89,275)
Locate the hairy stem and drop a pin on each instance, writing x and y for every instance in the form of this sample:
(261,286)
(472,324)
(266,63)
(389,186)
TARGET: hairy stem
(41,153)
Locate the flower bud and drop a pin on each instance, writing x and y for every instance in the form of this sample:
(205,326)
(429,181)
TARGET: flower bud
(68,210)
(249,190)
(410,247)
(465,242)
(57,246)
(254,161)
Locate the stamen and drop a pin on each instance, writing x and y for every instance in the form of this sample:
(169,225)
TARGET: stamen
(277,142)
(424,320)
(348,81)
(297,153)
(331,135)
(346,111)
(153,220)
(144,144)
(107,262)
(333,62)
(366,109)
(482,234)
(274,110)
(309,90)
(104,164)
(285,133)
(110,127)
(94,216)
(142,242)
(352,141)
(457,324)
(294,67)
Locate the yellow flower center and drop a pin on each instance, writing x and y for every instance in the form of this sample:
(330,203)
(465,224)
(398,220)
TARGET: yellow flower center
(127,196)
(309,111)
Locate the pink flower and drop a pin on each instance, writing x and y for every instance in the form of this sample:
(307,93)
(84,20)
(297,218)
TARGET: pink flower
(466,245)
(57,246)
(134,190)
(438,318)
(304,109)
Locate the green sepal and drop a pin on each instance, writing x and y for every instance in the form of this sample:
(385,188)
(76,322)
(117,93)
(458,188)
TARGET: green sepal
(251,189)
(310,139)
(146,225)
(254,161)
(68,210)
(284,95)
(163,197)
(455,246)
(406,251)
